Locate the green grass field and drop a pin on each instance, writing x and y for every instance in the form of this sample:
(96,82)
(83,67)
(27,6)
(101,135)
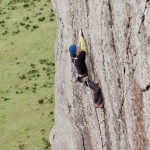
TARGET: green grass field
(27,34)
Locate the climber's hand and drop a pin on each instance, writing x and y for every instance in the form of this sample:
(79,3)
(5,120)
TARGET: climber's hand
(85,79)
(74,79)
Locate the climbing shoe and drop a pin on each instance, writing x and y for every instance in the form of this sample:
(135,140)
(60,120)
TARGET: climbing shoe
(99,105)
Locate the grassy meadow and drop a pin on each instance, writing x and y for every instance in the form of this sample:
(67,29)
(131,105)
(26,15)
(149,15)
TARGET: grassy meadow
(27,34)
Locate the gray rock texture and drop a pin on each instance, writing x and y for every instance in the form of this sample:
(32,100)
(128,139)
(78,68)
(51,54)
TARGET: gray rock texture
(117,33)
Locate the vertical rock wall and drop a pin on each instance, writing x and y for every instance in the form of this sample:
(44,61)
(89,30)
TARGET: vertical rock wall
(118,38)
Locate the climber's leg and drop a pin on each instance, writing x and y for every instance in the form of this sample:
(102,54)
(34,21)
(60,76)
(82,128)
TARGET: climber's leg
(98,100)
(97,94)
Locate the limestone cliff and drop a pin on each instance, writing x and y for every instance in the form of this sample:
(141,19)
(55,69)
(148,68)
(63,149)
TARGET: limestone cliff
(118,38)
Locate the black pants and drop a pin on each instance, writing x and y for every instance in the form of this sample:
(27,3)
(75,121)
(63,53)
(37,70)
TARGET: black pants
(97,94)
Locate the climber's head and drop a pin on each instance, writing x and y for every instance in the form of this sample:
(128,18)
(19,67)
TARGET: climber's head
(73,49)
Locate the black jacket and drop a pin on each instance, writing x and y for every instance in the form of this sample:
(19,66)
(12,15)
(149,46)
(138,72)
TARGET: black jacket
(79,63)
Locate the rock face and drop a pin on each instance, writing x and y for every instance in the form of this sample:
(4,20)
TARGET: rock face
(117,33)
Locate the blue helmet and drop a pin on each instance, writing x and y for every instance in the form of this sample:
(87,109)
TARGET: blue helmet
(73,49)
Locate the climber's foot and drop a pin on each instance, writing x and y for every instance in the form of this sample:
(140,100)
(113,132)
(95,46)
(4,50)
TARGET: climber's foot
(100,105)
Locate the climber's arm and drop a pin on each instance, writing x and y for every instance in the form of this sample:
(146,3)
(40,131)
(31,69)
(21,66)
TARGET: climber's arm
(82,43)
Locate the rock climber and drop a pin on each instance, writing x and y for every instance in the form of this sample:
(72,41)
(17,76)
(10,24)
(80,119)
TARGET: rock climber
(80,74)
